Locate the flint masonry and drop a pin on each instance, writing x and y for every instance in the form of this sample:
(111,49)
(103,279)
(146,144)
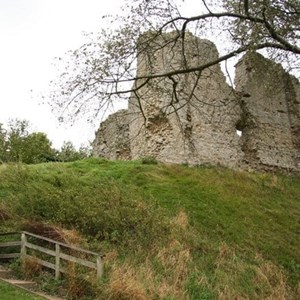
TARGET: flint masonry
(198,124)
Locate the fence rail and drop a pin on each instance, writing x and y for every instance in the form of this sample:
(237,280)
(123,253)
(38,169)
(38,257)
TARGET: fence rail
(59,253)
(12,244)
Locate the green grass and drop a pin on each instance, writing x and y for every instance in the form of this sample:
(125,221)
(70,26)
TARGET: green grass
(8,292)
(173,231)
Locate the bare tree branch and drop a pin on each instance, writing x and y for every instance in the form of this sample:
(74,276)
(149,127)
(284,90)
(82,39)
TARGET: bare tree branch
(104,67)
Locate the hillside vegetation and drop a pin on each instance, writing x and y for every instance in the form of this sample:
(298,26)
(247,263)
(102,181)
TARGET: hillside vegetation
(168,231)
(9,292)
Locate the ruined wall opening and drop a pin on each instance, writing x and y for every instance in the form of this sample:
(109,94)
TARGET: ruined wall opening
(239,132)
(240,127)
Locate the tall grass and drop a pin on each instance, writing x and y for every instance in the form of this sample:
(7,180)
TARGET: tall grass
(169,231)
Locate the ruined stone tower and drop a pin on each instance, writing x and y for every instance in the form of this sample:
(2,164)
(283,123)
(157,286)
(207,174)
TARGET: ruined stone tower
(193,117)
(270,119)
(195,124)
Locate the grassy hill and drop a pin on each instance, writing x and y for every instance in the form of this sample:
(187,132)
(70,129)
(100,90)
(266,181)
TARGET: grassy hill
(168,231)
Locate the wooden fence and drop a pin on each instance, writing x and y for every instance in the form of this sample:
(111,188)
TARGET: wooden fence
(10,245)
(60,251)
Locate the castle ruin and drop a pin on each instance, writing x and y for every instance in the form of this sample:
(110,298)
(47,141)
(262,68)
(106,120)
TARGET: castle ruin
(193,118)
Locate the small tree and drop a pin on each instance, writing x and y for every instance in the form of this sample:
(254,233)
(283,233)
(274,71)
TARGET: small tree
(68,152)
(16,135)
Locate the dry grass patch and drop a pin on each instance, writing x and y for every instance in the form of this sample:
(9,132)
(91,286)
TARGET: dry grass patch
(227,294)
(174,257)
(274,281)
(144,280)
(30,267)
(226,256)
(181,220)
(237,279)
(124,283)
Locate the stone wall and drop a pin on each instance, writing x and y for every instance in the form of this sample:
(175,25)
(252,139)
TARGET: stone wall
(112,138)
(270,119)
(198,124)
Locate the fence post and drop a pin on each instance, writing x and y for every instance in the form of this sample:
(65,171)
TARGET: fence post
(57,261)
(23,246)
(99,267)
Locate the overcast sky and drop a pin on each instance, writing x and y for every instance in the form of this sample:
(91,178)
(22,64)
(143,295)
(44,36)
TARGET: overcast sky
(32,33)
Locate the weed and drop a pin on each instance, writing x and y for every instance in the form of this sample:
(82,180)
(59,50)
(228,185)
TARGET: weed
(30,267)
(78,284)
(15,266)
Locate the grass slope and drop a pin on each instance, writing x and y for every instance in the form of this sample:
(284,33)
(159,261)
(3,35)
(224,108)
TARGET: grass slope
(169,231)
(8,292)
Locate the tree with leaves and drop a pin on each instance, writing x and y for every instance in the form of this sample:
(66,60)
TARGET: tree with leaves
(17,133)
(68,152)
(18,145)
(38,149)
(3,144)
(103,71)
